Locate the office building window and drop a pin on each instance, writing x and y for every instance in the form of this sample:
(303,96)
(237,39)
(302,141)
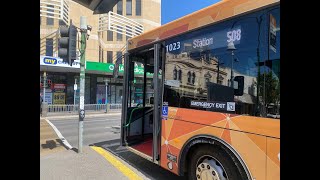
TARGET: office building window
(109,56)
(193,78)
(119,7)
(128,32)
(138,7)
(175,73)
(180,75)
(119,56)
(102,54)
(50,19)
(109,35)
(61,23)
(189,77)
(129,7)
(119,35)
(49,47)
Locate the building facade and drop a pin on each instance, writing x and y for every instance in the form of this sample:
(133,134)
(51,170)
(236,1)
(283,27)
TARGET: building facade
(103,48)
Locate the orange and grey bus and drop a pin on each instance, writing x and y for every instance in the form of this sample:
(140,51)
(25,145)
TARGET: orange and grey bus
(207,104)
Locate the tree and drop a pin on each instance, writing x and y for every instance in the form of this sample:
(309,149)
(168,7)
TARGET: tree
(269,90)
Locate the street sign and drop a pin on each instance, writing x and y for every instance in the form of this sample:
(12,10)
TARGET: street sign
(82,114)
(165,111)
(75,87)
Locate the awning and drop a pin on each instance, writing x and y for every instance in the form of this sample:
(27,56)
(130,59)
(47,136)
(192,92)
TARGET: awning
(98,6)
(59,69)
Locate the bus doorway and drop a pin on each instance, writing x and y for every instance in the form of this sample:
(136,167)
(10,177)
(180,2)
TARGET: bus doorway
(138,114)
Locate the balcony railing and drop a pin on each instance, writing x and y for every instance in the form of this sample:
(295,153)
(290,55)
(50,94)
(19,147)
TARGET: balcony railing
(56,9)
(120,24)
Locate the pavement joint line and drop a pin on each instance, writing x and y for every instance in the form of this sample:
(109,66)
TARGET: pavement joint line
(116,163)
(64,141)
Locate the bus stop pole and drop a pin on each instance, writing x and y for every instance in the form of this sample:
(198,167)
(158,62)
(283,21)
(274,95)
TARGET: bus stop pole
(74,94)
(83,29)
(44,86)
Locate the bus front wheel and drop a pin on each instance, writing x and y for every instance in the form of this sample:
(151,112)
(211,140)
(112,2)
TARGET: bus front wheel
(211,162)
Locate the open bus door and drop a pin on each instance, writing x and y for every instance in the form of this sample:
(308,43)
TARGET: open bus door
(142,99)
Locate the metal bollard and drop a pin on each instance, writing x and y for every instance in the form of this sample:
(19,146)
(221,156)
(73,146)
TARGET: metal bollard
(44,109)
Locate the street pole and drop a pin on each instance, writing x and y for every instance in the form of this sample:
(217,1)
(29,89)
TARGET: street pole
(232,69)
(83,29)
(258,83)
(218,72)
(106,92)
(44,86)
(258,113)
(106,101)
(74,94)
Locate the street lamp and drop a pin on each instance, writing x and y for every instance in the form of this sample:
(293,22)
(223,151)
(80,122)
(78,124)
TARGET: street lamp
(232,49)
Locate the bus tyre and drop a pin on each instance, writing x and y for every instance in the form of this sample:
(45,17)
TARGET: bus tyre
(211,162)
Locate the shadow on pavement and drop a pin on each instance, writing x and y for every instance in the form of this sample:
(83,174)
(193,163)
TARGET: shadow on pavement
(50,144)
(149,169)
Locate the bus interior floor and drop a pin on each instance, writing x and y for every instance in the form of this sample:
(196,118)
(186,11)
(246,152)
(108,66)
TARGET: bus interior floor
(145,146)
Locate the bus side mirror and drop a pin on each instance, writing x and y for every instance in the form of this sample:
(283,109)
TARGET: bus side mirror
(238,85)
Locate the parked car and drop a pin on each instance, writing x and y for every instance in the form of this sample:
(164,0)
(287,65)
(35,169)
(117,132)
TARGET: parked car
(276,116)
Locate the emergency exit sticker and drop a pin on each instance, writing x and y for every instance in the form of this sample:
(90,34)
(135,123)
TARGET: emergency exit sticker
(214,105)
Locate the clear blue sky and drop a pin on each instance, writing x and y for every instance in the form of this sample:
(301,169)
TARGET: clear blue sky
(174,9)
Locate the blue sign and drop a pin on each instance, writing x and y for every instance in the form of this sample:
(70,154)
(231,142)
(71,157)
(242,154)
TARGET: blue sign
(58,62)
(165,112)
(48,60)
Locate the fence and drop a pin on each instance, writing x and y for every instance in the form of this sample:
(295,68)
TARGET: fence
(70,108)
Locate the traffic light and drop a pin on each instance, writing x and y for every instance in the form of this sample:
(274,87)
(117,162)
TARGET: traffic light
(68,43)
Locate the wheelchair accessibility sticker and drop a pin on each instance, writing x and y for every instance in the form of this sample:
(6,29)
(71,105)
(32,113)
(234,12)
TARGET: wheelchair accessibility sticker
(165,112)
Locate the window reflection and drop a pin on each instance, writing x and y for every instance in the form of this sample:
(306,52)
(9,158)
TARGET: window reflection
(207,64)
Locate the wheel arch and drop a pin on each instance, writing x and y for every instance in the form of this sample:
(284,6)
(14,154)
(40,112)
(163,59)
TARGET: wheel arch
(197,140)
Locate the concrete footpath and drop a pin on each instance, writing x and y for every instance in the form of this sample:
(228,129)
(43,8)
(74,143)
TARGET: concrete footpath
(94,163)
(71,165)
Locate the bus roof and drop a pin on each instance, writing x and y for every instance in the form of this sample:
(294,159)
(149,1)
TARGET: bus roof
(219,11)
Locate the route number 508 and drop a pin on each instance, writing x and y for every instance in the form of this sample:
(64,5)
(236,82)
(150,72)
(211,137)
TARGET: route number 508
(234,35)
